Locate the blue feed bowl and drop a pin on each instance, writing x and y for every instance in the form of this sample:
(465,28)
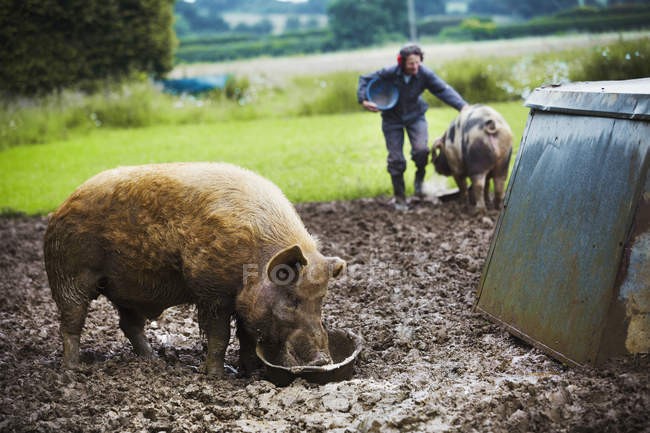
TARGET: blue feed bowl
(383,93)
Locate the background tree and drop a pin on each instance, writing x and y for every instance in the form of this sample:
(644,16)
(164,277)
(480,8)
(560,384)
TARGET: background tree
(428,7)
(50,44)
(261,27)
(488,7)
(201,17)
(292,24)
(312,23)
(524,9)
(261,6)
(357,23)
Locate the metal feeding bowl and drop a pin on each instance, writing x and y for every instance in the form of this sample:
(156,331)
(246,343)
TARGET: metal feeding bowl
(383,93)
(344,348)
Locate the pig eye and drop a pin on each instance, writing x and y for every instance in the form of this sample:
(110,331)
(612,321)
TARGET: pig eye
(283,275)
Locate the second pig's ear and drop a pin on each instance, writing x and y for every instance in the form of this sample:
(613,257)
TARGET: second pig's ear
(284,267)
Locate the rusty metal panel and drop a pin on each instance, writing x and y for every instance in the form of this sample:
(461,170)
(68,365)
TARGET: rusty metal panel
(551,272)
(634,293)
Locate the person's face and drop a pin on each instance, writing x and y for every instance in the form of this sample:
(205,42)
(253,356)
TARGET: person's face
(412,64)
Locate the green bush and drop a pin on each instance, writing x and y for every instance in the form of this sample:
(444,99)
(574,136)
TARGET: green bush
(50,45)
(587,20)
(30,121)
(471,29)
(434,25)
(623,60)
(601,23)
(335,93)
(476,81)
(136,104)
(579,12)
(236,88)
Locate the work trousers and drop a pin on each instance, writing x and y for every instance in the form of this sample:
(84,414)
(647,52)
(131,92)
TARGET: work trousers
(418,134)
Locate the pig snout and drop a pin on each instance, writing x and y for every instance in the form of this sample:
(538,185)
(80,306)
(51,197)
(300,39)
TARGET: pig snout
(321,358)
(303,348)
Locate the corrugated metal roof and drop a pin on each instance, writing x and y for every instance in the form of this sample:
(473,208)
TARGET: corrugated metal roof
(629,99)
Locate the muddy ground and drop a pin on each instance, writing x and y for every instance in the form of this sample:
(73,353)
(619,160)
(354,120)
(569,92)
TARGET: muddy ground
(429,364)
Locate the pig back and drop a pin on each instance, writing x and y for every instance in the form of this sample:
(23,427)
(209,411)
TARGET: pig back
(162,225)
(477,140)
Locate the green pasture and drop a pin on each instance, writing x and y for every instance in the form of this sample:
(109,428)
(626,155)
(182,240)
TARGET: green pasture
(311,158)
(307,134)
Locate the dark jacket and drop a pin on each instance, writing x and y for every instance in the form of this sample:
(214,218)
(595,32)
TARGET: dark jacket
(410,104)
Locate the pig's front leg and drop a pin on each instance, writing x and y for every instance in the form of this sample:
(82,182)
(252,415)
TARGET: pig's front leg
(248,361)
(462,187)
(217,330)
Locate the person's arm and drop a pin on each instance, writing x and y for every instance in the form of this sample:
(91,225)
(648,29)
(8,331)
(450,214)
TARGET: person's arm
(444,91)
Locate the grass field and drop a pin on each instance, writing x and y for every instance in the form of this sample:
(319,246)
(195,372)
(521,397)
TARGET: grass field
(311,158)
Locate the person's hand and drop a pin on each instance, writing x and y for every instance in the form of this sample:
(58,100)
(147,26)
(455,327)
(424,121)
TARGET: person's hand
(370,106)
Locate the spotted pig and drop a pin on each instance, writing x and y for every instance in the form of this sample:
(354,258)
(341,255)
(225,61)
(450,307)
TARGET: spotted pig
(478,145)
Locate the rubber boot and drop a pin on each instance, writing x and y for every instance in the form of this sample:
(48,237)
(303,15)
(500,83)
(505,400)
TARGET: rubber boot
(417,184)
(399,192)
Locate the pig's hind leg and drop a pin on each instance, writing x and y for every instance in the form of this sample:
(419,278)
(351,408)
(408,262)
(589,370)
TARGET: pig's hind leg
(478,187)
(132,324)
(73,316)
(500,176)
(499,191)
(486,190)
(72,294)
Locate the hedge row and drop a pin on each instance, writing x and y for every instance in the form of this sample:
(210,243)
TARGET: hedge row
(219,38)
(300,43)
(231,38)
(434,25)
(475,29)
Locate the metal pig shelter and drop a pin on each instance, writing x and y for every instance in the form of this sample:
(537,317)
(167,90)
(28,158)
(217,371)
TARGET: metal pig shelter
(568,268)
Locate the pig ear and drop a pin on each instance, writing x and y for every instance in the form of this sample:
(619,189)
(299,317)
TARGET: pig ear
(490,127)
(284,267)
(336,266)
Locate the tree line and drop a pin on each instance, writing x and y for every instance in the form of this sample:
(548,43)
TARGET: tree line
(357,23)
(47,45)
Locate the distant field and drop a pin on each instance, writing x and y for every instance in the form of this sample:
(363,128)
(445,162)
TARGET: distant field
(280,68)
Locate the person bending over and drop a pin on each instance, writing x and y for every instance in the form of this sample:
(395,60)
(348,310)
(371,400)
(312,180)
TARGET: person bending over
(411,78)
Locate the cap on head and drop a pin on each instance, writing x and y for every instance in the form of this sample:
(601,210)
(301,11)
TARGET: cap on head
(408,50)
